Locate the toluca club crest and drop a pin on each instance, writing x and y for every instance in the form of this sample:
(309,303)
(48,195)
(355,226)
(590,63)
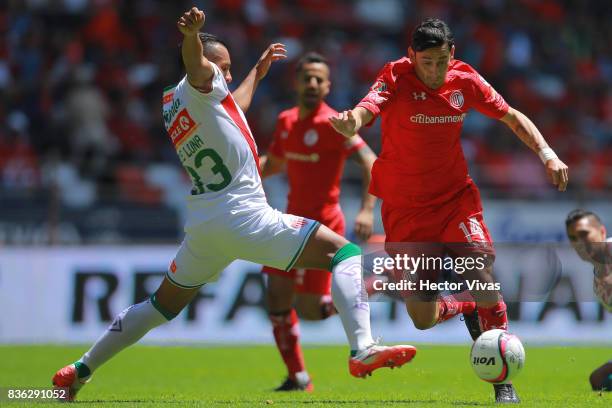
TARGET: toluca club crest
(311,137)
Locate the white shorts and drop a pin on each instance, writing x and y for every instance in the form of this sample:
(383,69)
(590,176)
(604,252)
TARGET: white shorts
(263,235)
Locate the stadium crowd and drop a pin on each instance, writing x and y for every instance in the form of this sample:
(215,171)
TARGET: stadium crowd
(81,84)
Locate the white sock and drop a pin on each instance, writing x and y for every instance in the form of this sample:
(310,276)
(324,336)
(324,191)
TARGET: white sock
(127,328)
(351,301)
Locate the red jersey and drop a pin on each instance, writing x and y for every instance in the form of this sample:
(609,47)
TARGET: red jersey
(315,155)
(421,161)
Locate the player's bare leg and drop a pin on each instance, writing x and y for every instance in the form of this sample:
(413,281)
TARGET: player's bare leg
(280,296)
(329,251)
(426,314)
(423,314)
(314,307)
(127,328)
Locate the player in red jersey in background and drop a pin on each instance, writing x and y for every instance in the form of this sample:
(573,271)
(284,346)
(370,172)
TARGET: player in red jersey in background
(313,155)
(421,174)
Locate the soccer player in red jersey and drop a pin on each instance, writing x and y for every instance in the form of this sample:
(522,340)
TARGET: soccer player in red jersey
(312,153)
(421,174)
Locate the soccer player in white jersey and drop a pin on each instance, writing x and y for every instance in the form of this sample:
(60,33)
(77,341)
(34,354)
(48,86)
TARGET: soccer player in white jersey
(229,217)
(587,235)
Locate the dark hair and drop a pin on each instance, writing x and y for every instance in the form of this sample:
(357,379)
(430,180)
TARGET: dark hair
(208,40)
(578,214)
(432,32)
(310,58)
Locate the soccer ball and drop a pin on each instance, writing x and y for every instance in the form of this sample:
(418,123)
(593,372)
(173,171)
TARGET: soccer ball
(497,356)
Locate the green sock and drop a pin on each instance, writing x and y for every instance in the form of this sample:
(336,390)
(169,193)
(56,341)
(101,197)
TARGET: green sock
(353,353)
(82,370)
(347,251)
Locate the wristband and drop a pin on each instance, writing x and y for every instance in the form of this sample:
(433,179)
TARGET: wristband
(547,154)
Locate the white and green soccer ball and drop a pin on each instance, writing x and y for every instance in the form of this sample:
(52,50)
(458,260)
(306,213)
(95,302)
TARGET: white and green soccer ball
(497,356)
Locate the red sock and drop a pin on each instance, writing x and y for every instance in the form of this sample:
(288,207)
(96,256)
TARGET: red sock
(494,317)
(287,335)
(449,306)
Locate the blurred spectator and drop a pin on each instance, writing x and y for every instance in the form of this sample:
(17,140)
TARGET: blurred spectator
(81,82)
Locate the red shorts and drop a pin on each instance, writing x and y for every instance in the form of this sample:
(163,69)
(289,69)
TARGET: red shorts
(455,228)
(459,221)
(313,281)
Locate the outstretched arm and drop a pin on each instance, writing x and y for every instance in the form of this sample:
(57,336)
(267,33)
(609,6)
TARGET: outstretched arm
(524,128)
(243,95)
(199,69)
(349,122)
(364,223)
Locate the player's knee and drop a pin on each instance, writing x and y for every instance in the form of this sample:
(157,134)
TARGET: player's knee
(277,301)
(309,314)
(423,323)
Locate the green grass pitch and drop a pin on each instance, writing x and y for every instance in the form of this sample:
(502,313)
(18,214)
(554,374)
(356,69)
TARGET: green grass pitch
(439,376)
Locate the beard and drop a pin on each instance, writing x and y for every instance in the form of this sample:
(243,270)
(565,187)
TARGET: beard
(310,101)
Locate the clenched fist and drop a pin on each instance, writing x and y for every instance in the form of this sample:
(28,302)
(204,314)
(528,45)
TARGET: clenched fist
(191,21)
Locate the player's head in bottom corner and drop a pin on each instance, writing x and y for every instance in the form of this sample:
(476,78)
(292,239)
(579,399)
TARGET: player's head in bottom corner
(216,51)
(586,233)
(431,51)
(312,82)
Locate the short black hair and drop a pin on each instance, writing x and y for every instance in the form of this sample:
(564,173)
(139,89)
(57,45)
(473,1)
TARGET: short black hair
(579,214)
(310,58)
(208,40)
(432,32)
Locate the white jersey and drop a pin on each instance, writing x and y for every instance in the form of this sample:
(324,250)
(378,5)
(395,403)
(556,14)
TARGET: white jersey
(216,147)
(602,281)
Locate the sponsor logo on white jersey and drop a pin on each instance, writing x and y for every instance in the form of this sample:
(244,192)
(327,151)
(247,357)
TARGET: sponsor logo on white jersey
(434,120)
(171,109)
(182,127)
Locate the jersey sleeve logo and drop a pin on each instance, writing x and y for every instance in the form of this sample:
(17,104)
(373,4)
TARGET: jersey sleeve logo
(379,86)
(456,99)
(311,137)
(182,127)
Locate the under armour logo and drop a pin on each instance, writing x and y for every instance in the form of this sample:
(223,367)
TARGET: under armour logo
(419,96)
